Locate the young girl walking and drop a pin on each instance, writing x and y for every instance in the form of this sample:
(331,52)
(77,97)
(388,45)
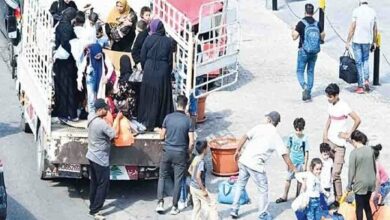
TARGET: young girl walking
(383,181)
(311,185)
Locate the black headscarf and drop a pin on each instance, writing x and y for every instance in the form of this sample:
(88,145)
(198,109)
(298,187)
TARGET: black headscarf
(68,14)
(125,68)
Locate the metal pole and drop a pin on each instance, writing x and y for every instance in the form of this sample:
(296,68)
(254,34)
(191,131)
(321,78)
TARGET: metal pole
(377,56)
(321,19)
(275,5)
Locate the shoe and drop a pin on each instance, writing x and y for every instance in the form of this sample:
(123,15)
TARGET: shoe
(181,205)
(306,95)
(98,216)
(74,119)
(174,210)
(265,216)
(359,90)
(367,85)
(160,207)
(234,214)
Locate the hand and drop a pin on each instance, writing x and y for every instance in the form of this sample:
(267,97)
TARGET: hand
(347,46)
(344,135)
(119,115)
(304,167)
(127,22)
(80,85)
(205,193)
(375,46)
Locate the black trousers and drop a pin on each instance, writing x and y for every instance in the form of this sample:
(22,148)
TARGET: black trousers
(177,161)
(363,203)
(98,187)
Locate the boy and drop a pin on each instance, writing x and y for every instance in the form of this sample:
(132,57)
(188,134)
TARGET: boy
(336,132)
(146,14)
(200,196)
(326,173)
(299,154)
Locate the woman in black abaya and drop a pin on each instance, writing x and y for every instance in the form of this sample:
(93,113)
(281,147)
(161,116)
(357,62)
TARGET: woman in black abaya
(58,7)
(65,70)
(156,89)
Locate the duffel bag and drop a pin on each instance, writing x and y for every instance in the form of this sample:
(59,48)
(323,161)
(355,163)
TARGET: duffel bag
(348,70)
(226,192)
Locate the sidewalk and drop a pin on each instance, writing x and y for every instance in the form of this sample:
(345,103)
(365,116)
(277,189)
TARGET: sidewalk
(268,82)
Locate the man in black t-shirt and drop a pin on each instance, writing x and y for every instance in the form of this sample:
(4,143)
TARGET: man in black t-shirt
(308,49)
(178,132)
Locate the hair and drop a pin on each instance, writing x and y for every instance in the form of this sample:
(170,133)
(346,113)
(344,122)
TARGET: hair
(144,10)
(200,146)
(324,148)
(309,9)
(314,162)
(377,148)
(141,24)
(80,18)
(109,88)
(94,17)
(99,29)
(359,136)
(182,101)
(332,89)
(299,124)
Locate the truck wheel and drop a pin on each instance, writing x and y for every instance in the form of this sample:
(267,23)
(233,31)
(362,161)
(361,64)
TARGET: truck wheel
(41,155)
(24,125)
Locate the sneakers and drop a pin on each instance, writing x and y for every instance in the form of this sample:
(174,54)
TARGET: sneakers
(306,95)
(265,216)
(174,210)
(359,90)
(182,205)
(160,207)
(367,85)
(98,216)
(234,214)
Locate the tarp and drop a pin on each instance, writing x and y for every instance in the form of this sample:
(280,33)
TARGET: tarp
(191,8)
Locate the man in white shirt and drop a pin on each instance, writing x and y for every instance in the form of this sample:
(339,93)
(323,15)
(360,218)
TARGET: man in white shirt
(261,141)
(336,132)
(363,32)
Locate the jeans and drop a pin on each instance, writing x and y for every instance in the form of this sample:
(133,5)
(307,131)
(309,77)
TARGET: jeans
(176,160)
(362,53)
(313,210)
(363,203)
(309,60)
(183,190)
(385,189)
(98,186)
(260,179)
(91,94)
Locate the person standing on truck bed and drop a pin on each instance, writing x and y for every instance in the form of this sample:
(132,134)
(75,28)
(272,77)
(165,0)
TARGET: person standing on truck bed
(65,69)
(57,7)
(100,134)
(178,132)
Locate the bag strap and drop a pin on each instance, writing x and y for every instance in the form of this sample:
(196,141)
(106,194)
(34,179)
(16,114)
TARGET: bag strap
(89,123)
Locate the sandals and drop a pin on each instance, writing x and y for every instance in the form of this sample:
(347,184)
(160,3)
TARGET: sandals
(281,200)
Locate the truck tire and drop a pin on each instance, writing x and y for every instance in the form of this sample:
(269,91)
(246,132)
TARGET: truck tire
(41,168)
(24,125)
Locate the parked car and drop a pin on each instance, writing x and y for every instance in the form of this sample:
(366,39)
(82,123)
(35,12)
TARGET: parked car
(10,17)
(3,195)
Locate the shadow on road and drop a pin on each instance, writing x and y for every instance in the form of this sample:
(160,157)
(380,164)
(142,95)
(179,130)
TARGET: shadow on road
(18,211)
(8,129)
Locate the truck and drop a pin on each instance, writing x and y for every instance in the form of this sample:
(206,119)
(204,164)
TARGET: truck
(61,149)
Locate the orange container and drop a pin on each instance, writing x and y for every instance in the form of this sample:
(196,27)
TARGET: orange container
(201,116)
(222,152)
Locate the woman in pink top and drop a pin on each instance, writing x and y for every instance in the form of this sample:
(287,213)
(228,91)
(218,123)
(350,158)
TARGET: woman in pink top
(383,182)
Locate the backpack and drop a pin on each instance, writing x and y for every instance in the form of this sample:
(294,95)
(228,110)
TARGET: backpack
(312,37)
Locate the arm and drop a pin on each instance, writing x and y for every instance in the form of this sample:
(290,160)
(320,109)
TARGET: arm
(116,123)
(295,34)
(191,142)
(352,29)
(288,162)
(306,160)
(199,180)
(355,117)
(375,34)
(323,35)
(240,144)
(351,170)
(325,134)
(163,132)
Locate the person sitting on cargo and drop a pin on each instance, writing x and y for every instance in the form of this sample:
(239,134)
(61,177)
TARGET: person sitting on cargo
(57,8)
(97,70)
(142,33)
(65,69)
(156,90)
(120,26)
(126,96)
